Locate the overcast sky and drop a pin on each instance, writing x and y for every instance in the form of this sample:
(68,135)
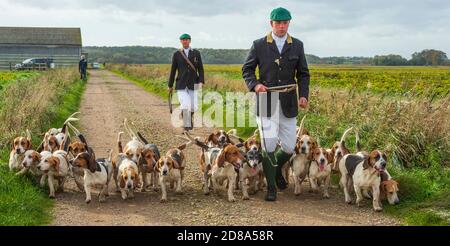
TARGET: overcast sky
(327,27)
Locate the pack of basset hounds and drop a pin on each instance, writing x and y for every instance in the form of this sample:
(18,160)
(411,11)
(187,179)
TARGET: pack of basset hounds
(227,164)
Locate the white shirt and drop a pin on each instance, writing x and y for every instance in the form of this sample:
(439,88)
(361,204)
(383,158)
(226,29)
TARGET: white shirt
(279,41)
(186,51)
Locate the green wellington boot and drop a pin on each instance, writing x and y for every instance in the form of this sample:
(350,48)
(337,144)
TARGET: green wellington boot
(270,172)
(281,157)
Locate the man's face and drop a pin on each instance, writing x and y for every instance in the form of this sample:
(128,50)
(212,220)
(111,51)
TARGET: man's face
(280,28)
(185,43)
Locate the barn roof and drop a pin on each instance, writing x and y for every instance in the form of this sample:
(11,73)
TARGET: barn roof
(40,36)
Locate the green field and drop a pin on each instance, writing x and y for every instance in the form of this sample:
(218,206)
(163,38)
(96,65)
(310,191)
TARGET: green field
(403,111)
(8,77)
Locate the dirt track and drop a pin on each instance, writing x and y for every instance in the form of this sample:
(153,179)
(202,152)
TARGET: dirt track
(107,100)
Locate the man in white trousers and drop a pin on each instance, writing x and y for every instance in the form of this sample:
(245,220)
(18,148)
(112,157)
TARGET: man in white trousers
(281,61)
(188,67)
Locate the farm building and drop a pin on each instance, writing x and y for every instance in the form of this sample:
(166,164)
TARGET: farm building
(20,43)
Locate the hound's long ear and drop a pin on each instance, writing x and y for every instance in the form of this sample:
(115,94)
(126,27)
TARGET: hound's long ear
(228,139)
(239,145)
(92,164)
(210,138)
(157,166)
(122,182)
(330,157)
(366,163)
(141,137)
(141,160)
(176,165)
(246,145)
(221,159)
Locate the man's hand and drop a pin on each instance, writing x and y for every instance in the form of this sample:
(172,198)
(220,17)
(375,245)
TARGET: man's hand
(302,102)
(260,88)
(200,85)
(170,89)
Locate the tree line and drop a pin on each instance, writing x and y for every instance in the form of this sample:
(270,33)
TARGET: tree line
(163,55)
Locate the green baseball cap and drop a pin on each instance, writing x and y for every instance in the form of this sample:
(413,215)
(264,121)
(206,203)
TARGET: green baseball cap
(280,14)
(185,36)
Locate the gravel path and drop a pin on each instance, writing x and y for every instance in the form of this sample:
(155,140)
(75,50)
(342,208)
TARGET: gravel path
(107,101)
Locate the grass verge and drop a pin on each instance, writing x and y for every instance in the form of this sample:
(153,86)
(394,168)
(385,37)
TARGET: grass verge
(55,95)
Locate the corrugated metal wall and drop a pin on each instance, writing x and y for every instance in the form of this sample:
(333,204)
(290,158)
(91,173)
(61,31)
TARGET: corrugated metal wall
(62,56)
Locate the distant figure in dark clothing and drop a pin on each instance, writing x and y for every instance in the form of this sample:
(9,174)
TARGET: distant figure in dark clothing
(82,67)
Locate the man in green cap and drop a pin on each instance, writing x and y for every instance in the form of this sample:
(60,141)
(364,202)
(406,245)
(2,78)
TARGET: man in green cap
(190,77)
(281,61)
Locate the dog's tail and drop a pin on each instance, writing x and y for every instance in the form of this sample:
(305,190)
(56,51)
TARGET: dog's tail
(344,136)
(109,155)
(130,132)
(119,142)
(142,138)
(300,129)
(358,144)
(74,129)
(28,135)
(45,142)
(64,143)
(255,133)
(233,133)
(191,140)
(72,118)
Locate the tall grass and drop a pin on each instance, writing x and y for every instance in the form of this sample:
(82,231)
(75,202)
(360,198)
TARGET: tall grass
(37,103)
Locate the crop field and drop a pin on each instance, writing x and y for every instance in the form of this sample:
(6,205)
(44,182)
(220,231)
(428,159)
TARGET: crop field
(8,77)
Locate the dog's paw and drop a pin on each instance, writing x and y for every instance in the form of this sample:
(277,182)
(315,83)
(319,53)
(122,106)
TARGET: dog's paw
(326,196)
(88,201)
(163,200)
(245,198)
(231,199)
(378,209)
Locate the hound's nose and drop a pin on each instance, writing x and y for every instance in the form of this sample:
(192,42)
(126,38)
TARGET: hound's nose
(383,164)
(221,138)
(17,151)
(396,202)
(129,186)
(322,160)
(254,148)
(303,149)
(164,172)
